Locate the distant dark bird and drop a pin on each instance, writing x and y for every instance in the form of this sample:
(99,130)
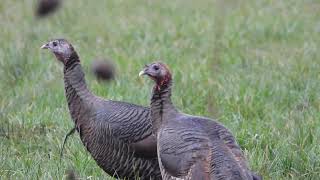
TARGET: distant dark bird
(103,69)
(191,147)
(46,7)
(117,134)
(71,175)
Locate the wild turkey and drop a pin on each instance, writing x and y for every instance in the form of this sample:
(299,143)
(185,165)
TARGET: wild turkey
(191,147)
(117,134)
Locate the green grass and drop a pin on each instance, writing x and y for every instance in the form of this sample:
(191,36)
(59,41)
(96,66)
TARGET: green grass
(253,65)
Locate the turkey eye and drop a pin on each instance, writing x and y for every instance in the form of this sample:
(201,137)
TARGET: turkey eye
(156,68)
(54,43)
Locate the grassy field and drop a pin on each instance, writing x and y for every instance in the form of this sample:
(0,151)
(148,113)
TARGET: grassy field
(253,65)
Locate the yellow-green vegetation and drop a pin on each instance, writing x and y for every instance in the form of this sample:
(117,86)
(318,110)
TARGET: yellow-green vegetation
(253,65)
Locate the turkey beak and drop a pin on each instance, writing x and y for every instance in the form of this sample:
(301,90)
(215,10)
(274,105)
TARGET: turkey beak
(141,73)
(144,71)
(45,46)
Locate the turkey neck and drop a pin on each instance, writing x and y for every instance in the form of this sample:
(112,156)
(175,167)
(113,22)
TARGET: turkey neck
(161,105)
(77,93)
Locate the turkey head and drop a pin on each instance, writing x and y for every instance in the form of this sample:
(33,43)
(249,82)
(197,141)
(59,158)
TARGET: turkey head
(62,49)
(158,72)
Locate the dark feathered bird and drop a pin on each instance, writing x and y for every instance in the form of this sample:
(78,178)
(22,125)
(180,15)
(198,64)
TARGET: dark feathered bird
(71,175)
(103,69)
(118,135)
(46,7)
(191,147)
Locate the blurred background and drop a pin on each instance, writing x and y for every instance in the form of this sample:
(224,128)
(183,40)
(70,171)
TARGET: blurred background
(252,65)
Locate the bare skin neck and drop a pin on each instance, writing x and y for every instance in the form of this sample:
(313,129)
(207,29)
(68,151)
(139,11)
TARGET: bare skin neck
(161,105)
(78,95)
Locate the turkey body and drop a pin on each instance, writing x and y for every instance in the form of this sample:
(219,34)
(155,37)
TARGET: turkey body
(191,147)
(117,134)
